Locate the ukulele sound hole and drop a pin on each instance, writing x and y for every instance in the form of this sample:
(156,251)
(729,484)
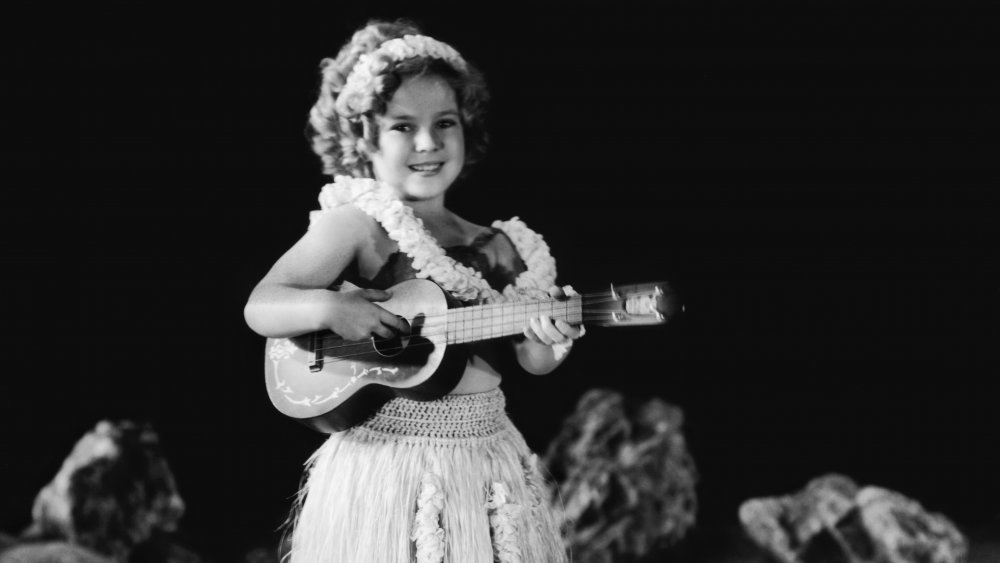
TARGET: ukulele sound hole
(390,347)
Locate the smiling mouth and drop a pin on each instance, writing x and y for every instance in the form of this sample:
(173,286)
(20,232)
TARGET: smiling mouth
(426,167)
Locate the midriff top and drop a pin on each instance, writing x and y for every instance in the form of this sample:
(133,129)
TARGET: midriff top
(482,255)
(494,256)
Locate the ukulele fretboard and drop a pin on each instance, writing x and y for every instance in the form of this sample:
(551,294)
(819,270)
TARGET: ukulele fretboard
(483,322)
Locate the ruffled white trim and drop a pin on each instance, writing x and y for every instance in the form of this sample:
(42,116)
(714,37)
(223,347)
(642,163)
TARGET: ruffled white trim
(503,524)
(540,275)
(560,349)
(427,533)
(429,259)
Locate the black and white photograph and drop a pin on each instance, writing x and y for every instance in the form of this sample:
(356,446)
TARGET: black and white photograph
(682,281)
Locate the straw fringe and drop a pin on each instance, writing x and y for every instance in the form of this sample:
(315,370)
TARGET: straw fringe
(380,496)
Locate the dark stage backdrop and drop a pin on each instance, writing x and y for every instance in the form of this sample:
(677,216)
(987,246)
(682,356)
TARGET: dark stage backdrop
(818,182)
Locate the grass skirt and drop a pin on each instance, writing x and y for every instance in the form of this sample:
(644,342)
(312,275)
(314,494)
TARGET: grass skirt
(448,480)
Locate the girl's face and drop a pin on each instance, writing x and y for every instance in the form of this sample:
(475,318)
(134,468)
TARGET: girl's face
(421,145)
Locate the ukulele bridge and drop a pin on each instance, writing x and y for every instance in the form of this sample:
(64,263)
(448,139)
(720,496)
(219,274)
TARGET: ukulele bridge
(316,363)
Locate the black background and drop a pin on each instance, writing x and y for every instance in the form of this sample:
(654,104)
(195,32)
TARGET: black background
(818,180)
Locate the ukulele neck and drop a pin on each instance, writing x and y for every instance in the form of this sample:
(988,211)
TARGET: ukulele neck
(484,322)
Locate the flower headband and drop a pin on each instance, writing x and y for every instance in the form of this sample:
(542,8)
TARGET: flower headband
(356,97)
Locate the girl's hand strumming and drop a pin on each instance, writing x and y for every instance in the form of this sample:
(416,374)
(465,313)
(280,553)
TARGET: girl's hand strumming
(355,316)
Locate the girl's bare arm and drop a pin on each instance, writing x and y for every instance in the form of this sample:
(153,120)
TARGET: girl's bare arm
(293,298)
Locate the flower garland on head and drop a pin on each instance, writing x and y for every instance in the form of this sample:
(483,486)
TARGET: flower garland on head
(356,97)
(429,260)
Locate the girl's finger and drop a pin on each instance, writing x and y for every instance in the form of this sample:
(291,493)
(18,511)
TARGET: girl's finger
(550,331)
(376,294)
(530,334)
(536,327)
(383,331)
(568,330)
(397,323)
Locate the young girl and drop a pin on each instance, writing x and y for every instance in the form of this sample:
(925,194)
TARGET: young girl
(398,119)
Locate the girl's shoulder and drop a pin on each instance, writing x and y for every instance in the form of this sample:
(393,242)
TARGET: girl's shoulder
(345,223)
(342,216)
(348,228)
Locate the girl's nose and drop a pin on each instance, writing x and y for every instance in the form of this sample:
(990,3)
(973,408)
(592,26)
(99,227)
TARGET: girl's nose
(427,140)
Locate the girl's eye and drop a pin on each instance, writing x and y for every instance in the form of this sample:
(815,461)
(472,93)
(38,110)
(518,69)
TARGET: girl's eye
(446,123)
(401,127)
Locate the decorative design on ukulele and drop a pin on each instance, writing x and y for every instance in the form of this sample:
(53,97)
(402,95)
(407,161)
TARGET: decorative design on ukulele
(282,386)
(281,349)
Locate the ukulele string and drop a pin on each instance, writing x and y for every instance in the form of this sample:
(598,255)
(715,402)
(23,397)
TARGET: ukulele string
(347,349)
(486,320)
(478,324)
(368,349)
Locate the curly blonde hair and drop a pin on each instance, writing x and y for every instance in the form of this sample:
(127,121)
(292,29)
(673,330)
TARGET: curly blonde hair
(340,139)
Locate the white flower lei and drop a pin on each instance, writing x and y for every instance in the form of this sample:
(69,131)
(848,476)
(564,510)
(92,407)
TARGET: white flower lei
(429,259)
(356,96)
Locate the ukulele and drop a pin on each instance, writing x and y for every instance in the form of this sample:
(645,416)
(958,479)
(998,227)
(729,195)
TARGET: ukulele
(331,384)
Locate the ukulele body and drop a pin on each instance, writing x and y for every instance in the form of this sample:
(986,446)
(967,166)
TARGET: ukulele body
(332,384)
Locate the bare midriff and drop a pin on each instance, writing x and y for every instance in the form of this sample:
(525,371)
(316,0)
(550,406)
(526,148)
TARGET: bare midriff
(479,376)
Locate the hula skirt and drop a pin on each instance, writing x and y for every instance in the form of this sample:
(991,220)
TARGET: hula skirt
(450,480)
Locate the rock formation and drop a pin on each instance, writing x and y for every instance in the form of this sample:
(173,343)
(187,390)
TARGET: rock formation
(113,495)
(622,470)
(833,521)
